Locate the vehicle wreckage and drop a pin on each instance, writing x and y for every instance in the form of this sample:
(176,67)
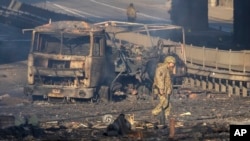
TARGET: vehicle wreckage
(77,60)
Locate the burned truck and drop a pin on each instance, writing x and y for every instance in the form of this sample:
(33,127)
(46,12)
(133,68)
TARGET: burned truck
(66,60)
(137,49)
(77,60)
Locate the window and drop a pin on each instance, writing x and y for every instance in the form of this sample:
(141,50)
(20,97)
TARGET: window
(98,46)
(62,44)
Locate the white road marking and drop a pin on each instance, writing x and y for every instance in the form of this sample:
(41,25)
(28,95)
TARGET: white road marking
(66,9)
(122,9)
(82,13)
(86,13)
(114,7)
(73,11)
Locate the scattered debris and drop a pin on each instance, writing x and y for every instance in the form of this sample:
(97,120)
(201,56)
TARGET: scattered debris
(120,126)
(107,119)
(185,114)
(220,96)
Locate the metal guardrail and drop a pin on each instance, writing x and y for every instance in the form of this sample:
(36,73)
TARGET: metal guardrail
(228,60)
(226,64)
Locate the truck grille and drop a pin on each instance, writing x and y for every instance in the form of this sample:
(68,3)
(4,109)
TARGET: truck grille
(58,64)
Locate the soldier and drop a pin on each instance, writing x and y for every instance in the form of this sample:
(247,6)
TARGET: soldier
(163,86)
(168,4)
(131,13)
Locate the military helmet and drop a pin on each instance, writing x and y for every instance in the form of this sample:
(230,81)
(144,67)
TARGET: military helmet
(169,59)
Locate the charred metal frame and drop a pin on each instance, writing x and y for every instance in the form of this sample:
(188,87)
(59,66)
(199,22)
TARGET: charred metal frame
(66,74)
(134,65)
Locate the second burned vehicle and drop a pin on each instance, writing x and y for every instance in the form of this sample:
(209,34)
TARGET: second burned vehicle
(75,59)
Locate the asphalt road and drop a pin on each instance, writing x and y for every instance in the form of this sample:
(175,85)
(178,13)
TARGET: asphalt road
(149,11)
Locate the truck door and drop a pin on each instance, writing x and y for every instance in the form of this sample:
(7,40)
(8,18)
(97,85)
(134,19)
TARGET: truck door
(95,62)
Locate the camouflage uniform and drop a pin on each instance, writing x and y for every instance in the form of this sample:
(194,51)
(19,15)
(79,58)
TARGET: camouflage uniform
(162,81)
(131,13)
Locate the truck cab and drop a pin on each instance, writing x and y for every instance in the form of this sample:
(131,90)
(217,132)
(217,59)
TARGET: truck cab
(66,60)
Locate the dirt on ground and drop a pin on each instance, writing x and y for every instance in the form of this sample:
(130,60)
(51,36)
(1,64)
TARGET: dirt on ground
(199,115)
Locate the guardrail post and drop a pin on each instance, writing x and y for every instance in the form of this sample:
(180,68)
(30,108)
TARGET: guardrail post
(243,89)
(192,81)
(197,81)
(237,88)
(222,86)
(247,88)
(203,83)
(233,85)
(229,88)
(217,85)
(210,84)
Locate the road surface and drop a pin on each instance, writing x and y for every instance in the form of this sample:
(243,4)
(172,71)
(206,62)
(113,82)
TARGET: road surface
(149,11)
